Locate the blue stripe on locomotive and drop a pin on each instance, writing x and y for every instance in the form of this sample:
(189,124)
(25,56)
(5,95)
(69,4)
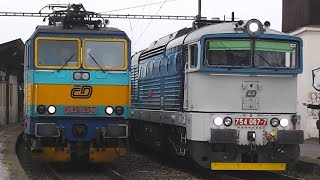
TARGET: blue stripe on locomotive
(66,77)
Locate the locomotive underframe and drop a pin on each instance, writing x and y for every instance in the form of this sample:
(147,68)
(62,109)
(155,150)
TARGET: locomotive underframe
(230,145)
(49,142)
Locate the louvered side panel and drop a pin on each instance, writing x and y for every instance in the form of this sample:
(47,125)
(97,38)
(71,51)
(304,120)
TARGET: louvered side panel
(134,86)
(172,92)
(149,94)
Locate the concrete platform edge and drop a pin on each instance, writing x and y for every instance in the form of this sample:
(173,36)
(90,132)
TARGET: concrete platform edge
(11,160)
(307,165)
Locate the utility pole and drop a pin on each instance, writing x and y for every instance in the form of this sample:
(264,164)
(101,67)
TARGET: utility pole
(199,10)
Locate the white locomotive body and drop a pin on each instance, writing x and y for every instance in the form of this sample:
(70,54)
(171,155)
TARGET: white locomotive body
(224,95)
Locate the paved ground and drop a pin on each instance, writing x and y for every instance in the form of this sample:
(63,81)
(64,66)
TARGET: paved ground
(310,149)
(10,167)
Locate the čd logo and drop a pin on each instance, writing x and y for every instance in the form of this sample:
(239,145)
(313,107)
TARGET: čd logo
(82,92)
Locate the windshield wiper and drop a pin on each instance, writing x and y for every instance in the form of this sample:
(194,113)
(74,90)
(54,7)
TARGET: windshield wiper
(264,60)
(96,62)
(66,62)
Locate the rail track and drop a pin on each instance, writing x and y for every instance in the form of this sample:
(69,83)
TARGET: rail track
(136,165)
(185,165)
(63,172)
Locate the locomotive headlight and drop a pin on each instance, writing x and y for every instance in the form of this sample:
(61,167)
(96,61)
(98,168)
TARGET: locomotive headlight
(119,110)
(77,76)
(227,121)
(284,122)
(274,122)
(218,121)
(85,76)
(109,110)
(51,109)
(254,27)
(41,109)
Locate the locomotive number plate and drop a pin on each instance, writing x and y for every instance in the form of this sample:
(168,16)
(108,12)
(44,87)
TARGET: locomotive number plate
(251,121)
(79,110)
(251,103)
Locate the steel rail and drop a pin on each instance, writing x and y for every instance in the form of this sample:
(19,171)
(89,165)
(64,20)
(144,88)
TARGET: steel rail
(53,172)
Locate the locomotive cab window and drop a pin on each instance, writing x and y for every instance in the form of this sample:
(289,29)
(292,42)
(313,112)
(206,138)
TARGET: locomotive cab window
(230,53)
(106,54)
(275,54)
(193,49)
(57,53)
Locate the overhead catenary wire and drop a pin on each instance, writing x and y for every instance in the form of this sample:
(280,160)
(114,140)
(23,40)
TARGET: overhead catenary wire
(131,29)
(118,16)
(149,24)
(97,15)
(138,6)
(134,27)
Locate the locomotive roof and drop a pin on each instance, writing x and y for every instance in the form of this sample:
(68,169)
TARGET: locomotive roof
(187,35)
(164,40)
(222,28)
(47,28)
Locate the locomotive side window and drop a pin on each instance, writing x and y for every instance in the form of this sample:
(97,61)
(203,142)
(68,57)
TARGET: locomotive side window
(109,54)
(140,72)
(193,55)
(152,71)
(57,52)
(168,65)
(160,63)
(234,53)
(178,59)
(156,68)
(164,67)
(273,54)
(147,69)
(144,70)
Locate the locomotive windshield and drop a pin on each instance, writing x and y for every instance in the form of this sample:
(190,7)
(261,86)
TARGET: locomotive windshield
(228,53)
(57,53)
(273,54)
(104,54)
(251,54)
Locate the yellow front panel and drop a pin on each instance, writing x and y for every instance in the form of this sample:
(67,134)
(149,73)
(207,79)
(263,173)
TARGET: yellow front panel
(249,166)
(52,154)
(106,154)
(55,94)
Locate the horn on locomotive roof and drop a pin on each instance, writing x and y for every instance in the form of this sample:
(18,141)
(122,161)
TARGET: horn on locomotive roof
(71,15)
(202,21)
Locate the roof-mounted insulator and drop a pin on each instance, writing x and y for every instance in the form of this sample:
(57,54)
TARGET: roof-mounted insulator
(74,15)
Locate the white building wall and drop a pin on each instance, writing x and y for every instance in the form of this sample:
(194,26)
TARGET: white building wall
(13,99)
(306,92)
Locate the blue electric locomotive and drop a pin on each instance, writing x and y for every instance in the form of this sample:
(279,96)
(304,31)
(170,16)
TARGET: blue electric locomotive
(77,91)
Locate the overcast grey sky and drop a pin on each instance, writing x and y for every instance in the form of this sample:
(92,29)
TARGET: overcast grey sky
(271,10)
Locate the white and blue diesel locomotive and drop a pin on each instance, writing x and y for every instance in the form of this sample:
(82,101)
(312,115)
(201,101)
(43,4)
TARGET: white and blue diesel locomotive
(224,95)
